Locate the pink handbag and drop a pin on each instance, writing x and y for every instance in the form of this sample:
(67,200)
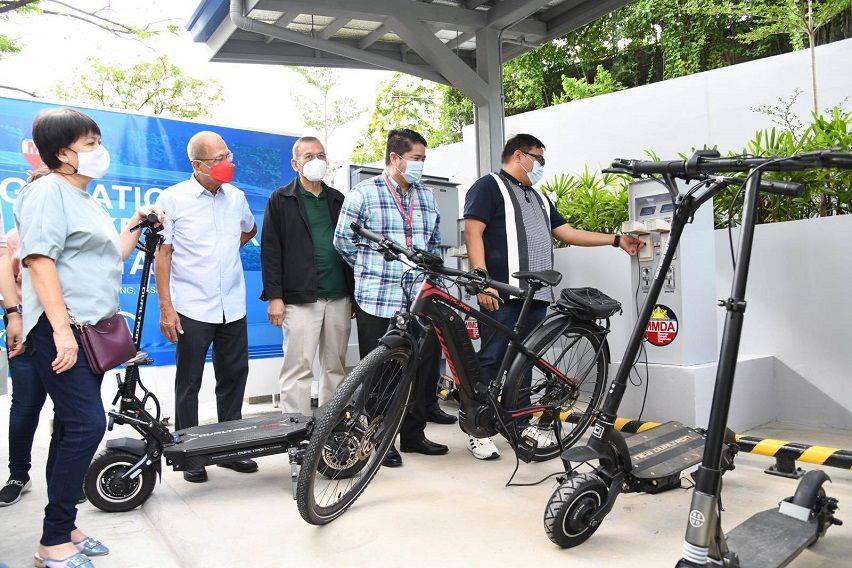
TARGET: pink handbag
(107,344)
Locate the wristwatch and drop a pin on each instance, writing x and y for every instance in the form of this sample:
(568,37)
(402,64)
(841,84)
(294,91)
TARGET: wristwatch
(15,310)
(616,242)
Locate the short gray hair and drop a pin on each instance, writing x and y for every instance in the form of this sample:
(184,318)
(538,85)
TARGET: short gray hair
(198,143)
(304,140)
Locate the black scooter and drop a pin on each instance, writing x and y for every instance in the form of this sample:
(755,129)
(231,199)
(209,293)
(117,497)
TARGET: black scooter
(122,476)
(654,460)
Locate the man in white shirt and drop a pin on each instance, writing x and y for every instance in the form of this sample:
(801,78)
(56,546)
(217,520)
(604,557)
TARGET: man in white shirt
(201,287)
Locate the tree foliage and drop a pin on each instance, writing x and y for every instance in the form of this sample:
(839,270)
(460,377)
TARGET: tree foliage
(156,86)
(651,40)
(402,101)
(321,111)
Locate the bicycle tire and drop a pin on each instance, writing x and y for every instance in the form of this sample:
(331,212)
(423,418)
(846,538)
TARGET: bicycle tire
(541,341)
(331,415)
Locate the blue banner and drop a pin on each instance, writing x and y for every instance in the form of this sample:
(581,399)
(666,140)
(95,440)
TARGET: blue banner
(149,154)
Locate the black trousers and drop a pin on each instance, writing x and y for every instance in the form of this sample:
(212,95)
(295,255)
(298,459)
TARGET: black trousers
(424,396)
(230,363)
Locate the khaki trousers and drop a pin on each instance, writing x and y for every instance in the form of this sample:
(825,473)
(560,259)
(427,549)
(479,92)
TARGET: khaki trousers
(308,328)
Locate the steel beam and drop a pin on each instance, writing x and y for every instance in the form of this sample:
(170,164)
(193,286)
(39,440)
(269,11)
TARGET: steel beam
(333,27)
(510,12)
(237,15)
(282,22)
(422,40)
(488,113)
(373,36)
(375,10)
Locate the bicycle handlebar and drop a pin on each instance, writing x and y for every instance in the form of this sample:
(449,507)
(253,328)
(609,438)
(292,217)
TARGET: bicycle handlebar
(431,262)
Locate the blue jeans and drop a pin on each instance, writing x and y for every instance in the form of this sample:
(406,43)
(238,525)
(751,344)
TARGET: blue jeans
(494,344)
(76,396)
(28,397)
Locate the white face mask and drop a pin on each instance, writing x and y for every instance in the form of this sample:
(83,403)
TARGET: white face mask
(536,173)
(93,164)
(315,170)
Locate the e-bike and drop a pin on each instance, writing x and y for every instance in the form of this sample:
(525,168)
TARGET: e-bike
(123,476)
(583,500)
(541,399)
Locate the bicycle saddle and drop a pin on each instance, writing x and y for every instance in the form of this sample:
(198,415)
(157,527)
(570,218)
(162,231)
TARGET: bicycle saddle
(549,277)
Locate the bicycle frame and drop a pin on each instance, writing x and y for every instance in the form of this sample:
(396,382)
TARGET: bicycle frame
(439,307)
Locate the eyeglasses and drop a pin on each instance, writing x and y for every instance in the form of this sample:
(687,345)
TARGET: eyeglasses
(216,159)
(537,157)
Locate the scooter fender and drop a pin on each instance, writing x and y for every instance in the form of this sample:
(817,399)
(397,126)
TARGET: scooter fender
(138,448)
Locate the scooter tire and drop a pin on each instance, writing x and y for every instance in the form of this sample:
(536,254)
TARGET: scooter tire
(105,492)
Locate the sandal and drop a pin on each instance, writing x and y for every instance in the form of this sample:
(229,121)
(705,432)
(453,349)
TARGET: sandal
(76,561)
(91,547)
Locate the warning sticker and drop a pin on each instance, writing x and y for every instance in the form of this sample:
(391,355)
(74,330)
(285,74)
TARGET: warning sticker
(662,327)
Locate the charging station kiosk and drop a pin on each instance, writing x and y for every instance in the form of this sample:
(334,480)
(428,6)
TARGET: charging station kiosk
(682,330)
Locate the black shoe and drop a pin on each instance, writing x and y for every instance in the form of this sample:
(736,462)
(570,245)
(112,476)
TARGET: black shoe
(241,466)
(392,458)
(424,446)
(438,416)
(195,475)
(13,491)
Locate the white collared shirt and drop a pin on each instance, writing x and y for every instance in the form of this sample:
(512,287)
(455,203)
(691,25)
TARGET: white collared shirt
(204,231)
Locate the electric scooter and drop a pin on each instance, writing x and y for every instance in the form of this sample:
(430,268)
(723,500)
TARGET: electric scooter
(122,476)
(653,460)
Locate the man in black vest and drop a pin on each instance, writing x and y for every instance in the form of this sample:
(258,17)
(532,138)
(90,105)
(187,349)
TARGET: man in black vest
(308,285)
(509,227)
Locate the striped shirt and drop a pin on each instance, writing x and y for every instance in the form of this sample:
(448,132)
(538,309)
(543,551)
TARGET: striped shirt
(518,224)
(371,204)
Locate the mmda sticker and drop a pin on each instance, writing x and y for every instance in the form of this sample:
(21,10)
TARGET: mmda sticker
(662,327)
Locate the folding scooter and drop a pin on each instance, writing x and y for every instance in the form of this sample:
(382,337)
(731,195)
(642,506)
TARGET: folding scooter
(651,461)
(123,475)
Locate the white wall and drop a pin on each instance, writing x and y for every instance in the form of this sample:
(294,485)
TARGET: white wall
(668,117)
(799,312)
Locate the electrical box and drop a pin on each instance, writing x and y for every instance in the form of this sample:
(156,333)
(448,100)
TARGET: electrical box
(682,329)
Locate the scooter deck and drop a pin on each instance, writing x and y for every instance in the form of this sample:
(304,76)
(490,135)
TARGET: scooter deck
(237,439)
(664,450)
(770,539)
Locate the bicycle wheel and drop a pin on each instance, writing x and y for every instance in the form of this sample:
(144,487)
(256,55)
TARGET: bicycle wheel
(579,352)
(352,434)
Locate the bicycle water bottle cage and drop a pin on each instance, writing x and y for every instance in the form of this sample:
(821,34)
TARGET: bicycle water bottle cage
(587,303)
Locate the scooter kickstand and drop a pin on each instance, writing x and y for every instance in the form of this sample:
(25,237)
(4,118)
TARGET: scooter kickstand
(292,455)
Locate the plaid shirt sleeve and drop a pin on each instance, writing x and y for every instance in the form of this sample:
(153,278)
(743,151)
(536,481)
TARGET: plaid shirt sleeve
(345,239)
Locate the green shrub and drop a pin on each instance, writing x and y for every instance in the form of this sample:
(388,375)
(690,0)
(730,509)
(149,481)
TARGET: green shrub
(827,192)
(590,201)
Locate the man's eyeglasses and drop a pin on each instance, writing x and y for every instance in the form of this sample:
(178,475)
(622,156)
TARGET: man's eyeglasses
(537,157)
(216,159)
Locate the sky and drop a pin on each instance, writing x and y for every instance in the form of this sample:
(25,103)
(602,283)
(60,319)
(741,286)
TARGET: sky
(255,96)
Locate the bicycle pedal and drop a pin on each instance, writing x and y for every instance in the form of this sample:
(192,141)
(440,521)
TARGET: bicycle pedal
(525,453)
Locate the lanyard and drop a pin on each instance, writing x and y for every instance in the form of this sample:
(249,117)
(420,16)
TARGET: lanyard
(407,217)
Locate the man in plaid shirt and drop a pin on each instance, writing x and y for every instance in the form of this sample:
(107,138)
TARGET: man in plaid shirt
(394,204)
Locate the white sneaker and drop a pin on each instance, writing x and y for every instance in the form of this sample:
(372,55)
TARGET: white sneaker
(483,448)
(544,437)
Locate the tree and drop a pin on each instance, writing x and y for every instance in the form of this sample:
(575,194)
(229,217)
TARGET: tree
(575,89)
(402,101)
(156,86)
(322,112)
(56,8)
(797,19)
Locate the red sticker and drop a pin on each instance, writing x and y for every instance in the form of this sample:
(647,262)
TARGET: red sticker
(662,327)
(30,152)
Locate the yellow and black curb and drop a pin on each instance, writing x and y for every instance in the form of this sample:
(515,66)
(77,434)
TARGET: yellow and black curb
(784,452)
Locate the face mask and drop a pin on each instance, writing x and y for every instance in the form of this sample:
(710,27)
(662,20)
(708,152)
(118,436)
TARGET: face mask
(413,171)
(315,170)
(223,172)
(536,173)
(93,164)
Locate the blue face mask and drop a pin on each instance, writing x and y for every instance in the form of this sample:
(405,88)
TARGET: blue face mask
(413,171)
(536,173)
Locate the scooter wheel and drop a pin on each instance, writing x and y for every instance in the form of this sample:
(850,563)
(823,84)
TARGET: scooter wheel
(567,516)
(106,490)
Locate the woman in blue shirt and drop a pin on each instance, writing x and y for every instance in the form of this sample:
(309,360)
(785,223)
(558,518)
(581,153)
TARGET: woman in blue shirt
(73,258)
